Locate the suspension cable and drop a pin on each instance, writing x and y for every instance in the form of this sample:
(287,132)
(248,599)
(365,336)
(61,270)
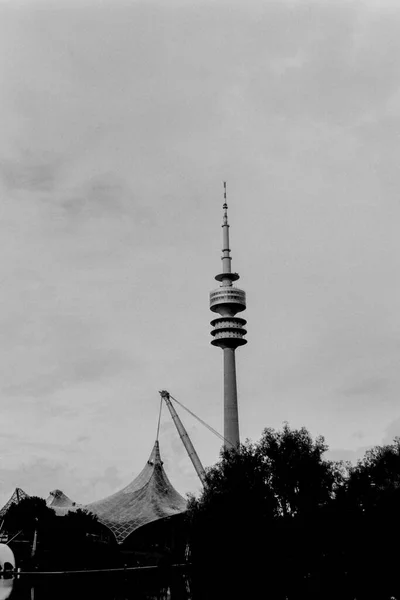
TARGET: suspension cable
(159,419)
(13,538)
(214,431)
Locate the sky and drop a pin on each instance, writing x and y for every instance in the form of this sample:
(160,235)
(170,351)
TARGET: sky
(119,122)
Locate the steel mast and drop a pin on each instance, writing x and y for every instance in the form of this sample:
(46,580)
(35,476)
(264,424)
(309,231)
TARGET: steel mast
(186,441)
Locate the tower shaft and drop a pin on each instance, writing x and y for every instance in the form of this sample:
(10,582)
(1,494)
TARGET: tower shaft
(231,413)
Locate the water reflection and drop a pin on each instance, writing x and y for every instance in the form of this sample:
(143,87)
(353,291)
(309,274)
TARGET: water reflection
(6,587)
(149,586)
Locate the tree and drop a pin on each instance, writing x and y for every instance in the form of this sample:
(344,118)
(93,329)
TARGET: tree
(262,510)
(82,523)
(29,514)
(63,542)
(77,542)
(369,506)
(301,479)
(375,481)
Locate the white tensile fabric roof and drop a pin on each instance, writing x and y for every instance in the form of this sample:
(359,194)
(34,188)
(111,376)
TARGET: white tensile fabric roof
(147,498)
(60,502)
(16,498)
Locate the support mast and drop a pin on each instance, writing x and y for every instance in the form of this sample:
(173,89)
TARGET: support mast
(185,438)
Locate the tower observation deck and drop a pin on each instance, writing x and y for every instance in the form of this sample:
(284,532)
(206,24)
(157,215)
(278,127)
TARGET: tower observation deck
(228,330)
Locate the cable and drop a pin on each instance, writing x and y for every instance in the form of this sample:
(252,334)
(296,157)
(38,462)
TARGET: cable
(214,431)
(221,437)
(159,419)
(13,538)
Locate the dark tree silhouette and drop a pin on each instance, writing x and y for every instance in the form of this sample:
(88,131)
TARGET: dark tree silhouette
(300,478)
(29,514)
(82,523)
(76,540)
(258,522)
(80,541)
(370,509)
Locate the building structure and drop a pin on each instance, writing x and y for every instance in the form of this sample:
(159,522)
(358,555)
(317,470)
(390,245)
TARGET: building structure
(60,503)
(147,498)
(15,498)
(228,331)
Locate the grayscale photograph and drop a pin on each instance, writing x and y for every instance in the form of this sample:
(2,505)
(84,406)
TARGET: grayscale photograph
(200,299)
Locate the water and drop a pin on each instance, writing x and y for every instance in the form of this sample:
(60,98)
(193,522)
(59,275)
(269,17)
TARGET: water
(174,585)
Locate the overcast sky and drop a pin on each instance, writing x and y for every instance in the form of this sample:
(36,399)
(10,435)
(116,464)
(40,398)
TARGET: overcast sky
(119,121)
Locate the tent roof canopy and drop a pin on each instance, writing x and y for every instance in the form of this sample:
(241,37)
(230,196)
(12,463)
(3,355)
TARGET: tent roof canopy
(147,498)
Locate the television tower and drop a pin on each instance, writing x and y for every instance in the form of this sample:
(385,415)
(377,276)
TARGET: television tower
(228,331)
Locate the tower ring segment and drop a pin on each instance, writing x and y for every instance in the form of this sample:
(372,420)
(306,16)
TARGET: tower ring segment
(227,300)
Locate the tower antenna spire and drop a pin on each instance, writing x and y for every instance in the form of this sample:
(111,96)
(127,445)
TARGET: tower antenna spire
(226,251)
(225,207)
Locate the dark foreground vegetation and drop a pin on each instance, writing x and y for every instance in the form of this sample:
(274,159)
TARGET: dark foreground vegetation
(276,520)
(41,540)
(279,521)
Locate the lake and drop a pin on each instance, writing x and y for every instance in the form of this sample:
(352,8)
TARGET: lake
(171,585)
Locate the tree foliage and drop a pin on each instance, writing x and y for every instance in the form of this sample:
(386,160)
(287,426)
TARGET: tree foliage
(27,515)
(369,507)
(297,473)
(278,517)
(76,540)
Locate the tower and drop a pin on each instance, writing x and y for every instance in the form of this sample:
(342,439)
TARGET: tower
(228,330)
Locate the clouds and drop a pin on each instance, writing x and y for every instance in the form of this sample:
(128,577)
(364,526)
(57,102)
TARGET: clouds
(42,476)
(119,122)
